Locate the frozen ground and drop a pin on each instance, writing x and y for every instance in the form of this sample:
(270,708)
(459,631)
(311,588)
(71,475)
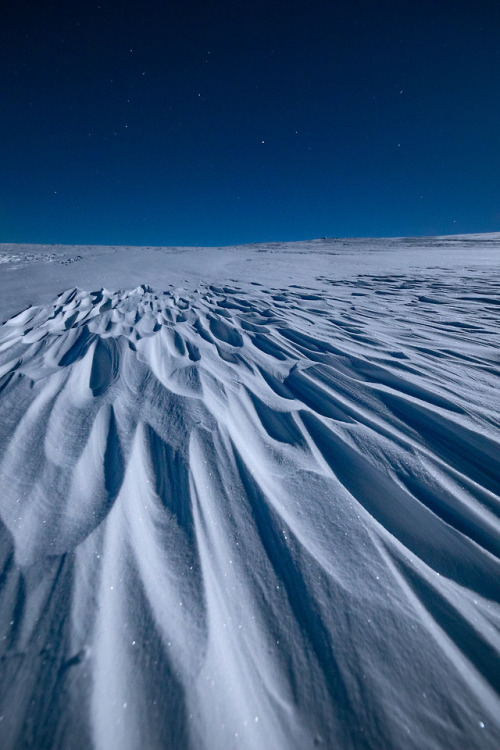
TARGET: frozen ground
(250,496)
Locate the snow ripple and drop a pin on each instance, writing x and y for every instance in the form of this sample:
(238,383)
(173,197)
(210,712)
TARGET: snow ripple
(250,517)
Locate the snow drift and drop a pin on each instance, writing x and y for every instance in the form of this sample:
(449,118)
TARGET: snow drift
(253,515)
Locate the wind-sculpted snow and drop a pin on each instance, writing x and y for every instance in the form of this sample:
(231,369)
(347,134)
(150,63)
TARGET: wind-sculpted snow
(253,517)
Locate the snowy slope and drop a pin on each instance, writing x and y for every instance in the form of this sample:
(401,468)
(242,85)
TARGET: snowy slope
(250,496)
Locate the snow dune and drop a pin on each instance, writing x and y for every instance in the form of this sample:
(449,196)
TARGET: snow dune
(239,514)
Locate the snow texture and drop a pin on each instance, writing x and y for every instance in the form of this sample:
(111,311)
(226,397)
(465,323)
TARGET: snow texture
(253,507)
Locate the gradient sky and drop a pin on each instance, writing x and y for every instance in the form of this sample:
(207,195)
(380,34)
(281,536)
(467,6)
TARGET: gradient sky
(216,123)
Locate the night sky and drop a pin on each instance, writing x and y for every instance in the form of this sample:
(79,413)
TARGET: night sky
(217,123)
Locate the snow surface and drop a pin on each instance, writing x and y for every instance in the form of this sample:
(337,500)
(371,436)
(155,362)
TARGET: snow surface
(250,496)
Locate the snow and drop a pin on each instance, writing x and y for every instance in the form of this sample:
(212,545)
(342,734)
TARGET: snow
(250,496)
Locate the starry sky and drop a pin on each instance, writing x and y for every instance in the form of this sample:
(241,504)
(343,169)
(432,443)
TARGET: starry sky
(190,122)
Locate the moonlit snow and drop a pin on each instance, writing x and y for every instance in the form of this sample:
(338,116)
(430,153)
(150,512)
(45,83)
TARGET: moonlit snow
(250,496)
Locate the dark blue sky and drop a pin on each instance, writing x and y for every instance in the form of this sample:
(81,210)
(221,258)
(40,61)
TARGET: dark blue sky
(212,123)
